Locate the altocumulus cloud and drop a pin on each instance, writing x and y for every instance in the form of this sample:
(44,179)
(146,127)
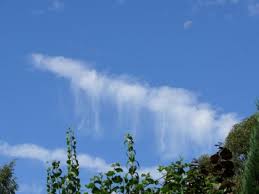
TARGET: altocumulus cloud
(180,121)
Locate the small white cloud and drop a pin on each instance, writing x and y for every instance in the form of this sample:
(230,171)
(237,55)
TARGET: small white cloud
(53,6)
(56,5)
(216,2)
(30,189)
(120,1)
(180,121)
(35,152)
(152,170)
(187,24)
(235,1)
(253,9)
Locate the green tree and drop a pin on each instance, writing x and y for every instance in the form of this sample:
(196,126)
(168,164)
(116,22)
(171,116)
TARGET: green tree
(8,183)
(238,141)
(250,177)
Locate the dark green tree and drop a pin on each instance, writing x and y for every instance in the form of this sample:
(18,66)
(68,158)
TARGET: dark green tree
(250,179)
(238,139)
(238,142)
(8,183)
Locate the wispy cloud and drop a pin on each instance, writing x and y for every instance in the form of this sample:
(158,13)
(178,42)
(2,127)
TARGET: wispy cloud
(250,6)
(56,5)
(180,121)
(187,24)
(30,189)
(253,8)
(35,152)
(52,6)
(121,2)
(216,2)
(227,7)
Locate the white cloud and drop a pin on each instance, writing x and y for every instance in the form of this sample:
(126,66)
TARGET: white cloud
(216,2)
(56,5)
(187,24)
(30,189)
(152,170)
(120,1)
(181,122)
(252,6)
(53,6)
(35,152)
(253,9)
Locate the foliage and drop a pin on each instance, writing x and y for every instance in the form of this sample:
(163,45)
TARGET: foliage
(206,175)
(250,177)
(8,183)
(118,181)
(69,183)
(204,164)
(238,141)
(180,177)
(223,169)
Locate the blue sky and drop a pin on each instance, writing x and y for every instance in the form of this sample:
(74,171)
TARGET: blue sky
(175,74)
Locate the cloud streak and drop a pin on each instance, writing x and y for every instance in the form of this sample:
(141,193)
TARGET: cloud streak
(180,121)
(216,2)
(253,8)
(35,152)
(56,5)
(30,189)
(187,24)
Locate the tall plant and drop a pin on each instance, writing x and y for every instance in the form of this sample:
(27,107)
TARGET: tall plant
(121,180)
(70,182)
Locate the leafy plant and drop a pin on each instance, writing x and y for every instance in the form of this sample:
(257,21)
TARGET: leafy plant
(124,180)
(70,182)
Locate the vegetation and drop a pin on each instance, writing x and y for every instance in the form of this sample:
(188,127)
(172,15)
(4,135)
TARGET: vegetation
(238,141)
(8,183)
(234,168)
(250,178)
(70,182)
(178,177)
